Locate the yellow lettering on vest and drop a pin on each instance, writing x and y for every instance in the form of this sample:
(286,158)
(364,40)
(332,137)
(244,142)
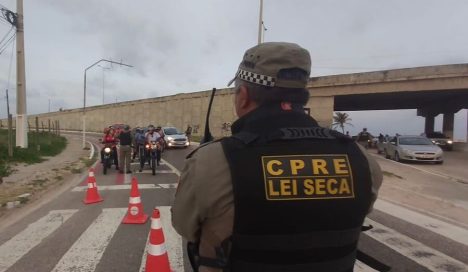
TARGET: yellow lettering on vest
(274,172)
(271,189)
(320,186)
(344,187)
(331,186)
(294,186)
(296,165)
(341,168)
(285,187)
(319,166)
(308,187)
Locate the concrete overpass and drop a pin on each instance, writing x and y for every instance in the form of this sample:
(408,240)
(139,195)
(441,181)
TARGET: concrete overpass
(431,90)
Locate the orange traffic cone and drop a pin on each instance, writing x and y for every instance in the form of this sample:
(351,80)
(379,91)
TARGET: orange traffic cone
(135,213)
(92,194)
(157,258)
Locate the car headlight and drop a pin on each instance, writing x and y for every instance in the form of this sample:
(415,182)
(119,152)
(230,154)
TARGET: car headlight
(107,150)
(450,142)
(170,138)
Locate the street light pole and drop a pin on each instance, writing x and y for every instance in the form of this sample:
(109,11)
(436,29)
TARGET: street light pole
(21,115)
(260,23)
(84,93)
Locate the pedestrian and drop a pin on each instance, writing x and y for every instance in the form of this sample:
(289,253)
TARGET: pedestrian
(126,141)
(274,201)
(188,132)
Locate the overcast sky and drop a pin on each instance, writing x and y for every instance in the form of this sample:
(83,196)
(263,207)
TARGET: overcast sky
(187,46)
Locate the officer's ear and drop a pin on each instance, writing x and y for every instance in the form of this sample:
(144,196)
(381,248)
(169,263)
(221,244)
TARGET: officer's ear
(244,103)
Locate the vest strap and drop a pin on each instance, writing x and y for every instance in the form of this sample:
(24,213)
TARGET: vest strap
(342,264)
(316,239)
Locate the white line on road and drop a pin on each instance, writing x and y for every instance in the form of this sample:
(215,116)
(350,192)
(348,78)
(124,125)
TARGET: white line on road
(127,187)
(177,172)
(15,248)
(87,251)
(435,173)
(91,154)
(442,228)
(425,256)
(137,163)
(173,242)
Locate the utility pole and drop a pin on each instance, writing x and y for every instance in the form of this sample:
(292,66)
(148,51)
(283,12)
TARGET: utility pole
(21,116)
(49,104)
(260,23)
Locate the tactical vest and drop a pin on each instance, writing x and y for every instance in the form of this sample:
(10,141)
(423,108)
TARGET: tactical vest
(301,193)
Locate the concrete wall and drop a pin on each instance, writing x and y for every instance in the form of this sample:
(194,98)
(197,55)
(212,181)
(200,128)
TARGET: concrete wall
(177,110)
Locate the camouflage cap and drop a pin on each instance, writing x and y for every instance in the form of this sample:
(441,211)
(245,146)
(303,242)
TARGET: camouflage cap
(262,63)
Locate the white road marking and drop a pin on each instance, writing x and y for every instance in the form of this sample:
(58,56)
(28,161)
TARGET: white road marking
(87,251)
(91,153)
(361,267)
(127,187)
(148,171)
(15,248)
(425,256)
(177,172)
(173,242)
(450,231)
(138,163)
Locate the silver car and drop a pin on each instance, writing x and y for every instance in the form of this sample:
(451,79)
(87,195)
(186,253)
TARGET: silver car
(175,138)
(413,148)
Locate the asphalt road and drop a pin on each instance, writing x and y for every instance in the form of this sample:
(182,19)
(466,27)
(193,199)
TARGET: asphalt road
(67,235)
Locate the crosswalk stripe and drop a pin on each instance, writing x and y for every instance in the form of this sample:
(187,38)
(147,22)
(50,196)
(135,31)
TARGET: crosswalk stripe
(173,242)
(149,171)
(15,248)
(137,163)
(87,251)
(127,187)
(450,231)
(414,250)
(361,267)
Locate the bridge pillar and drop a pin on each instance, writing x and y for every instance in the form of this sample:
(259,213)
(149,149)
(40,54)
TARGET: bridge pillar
(321,109)
(447,125)
(429,124)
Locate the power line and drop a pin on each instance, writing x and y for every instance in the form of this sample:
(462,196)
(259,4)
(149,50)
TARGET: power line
(7,43)
(8,33)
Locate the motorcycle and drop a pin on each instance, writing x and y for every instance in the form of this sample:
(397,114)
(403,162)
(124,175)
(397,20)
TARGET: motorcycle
(108,157)
(154,154)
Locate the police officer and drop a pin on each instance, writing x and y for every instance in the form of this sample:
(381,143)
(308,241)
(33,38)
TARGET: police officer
(282,193)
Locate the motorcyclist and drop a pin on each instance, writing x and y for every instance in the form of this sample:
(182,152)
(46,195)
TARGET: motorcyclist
(154,136)
(364,138)
(109,139)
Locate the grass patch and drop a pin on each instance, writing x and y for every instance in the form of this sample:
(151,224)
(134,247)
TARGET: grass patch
(195,138)
(390,174)
(50,145)
(59,178)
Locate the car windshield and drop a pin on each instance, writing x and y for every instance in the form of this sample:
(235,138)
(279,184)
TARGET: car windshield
(171,131)
(415,141)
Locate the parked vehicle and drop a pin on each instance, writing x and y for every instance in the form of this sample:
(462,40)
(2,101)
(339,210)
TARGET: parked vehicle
(413,148)
(175,138)
(441,140)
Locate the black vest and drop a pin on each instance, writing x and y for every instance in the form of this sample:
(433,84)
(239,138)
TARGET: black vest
(301,193)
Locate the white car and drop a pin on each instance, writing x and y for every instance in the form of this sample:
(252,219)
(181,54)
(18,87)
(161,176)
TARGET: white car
(413,148)
(175,138)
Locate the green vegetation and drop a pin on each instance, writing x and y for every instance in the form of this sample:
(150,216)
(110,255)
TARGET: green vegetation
(195,138)
(49,145)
